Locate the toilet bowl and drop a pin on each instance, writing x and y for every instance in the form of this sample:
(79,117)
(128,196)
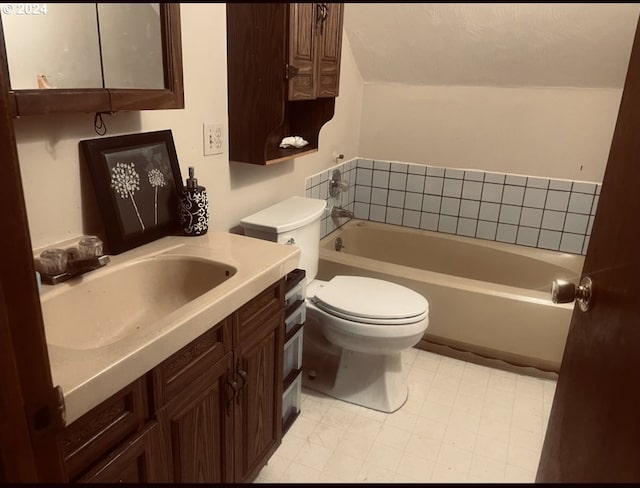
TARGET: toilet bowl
(366,324)
(356,327)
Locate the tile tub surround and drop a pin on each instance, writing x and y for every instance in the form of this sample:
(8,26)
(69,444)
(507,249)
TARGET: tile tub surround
(530,211)
(317,186)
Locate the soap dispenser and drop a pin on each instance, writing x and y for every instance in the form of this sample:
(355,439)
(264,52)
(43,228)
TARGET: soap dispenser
(194,208)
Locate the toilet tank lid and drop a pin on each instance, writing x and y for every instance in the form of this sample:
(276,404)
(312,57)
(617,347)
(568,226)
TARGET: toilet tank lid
(289,214)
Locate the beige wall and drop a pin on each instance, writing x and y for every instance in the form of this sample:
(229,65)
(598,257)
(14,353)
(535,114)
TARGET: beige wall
(53,180)
(551,132)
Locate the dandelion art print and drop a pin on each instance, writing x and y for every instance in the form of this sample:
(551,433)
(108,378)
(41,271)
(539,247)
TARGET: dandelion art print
(137,182)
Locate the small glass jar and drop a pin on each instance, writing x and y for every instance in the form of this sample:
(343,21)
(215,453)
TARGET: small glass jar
(53,261)
(90,247)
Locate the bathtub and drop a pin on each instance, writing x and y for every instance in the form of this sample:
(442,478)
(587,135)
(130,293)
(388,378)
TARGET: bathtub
(486,298)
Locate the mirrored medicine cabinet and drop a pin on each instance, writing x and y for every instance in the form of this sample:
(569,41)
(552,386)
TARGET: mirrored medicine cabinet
(91,57)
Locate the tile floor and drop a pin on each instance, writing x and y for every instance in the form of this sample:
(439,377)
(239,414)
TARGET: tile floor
(461,423)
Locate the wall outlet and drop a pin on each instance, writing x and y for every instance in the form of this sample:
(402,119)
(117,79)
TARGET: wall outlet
(212,139)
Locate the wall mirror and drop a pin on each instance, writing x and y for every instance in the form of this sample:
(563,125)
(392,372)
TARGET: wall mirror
(99,57)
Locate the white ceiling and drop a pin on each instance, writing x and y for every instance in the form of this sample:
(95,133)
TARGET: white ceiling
(494,44)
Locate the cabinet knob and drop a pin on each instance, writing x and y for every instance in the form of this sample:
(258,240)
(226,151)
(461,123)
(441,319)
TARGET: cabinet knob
(291,71)
(234,386)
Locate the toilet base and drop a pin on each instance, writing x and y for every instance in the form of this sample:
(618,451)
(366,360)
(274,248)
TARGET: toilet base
(369,380)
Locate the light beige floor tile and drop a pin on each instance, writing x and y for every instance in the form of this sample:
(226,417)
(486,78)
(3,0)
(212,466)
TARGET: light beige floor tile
(525,439)
(476,371)
(446,474)
(496,410)
(414,402)
(402,479)
(461,418)
(527,386)
(515,474)
(349,407)
(402,419)
(386,457)
(459,437)
(344,468)
(532,423)
(373,473)
(290,447)
(436,411)
(354,446)
(441,396)
(423,447)
(313,409)
(340,419)
(490,470)
(415,467)
(461,423)
(302,427)
(373,414)
(528,405)
(491,448)
(502,383)
(365,428)
(451,369)
(428,361)
(275,469)
(319,397)
(326,436)
(455,458)
(393,437)
(495,428)
(313,456)
(523,458)
(430,428)
(444,382)
(473,387)
(299,473)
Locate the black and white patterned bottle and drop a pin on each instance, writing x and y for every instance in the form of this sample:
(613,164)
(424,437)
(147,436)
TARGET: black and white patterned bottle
(194,208)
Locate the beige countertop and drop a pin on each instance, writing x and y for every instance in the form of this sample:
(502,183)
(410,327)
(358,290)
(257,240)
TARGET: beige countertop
(88,376)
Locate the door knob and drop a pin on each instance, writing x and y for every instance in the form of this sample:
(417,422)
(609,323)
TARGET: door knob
(565,292)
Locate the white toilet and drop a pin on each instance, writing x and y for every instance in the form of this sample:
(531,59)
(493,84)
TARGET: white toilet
(356,327)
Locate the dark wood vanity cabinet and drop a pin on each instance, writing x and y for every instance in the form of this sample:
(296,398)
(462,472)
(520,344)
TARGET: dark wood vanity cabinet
(211,412)
(258,359)
(283,65)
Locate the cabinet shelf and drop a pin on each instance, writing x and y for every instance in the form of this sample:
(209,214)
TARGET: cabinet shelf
(283,67)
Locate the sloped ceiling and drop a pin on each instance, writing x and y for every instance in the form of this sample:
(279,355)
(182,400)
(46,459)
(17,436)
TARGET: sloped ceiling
(492,44)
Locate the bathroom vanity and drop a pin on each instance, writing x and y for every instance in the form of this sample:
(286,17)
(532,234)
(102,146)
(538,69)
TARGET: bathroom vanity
(197,397)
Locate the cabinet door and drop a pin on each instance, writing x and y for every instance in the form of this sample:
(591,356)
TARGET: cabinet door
(302,46)
(138,460)
(258,419)
(197,427)
(329,49)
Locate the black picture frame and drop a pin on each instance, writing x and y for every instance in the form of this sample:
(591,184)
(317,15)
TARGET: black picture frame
(137,183)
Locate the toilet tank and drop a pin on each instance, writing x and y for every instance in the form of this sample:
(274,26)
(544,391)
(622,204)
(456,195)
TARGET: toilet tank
(294,221)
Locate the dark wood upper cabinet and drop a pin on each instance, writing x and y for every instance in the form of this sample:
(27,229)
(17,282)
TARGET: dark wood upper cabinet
(283,63)
(39,101)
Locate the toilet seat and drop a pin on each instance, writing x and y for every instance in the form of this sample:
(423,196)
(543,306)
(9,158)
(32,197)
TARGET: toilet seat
(370,301)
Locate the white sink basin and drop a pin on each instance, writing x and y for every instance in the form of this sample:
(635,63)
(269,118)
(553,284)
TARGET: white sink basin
(107,305)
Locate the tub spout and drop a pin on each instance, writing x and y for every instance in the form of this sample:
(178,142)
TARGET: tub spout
(337,212)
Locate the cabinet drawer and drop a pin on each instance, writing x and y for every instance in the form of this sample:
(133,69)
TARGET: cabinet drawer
(137,460)
(293,354)
(178,371)
(251,317)
(291,400)
(101,429)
